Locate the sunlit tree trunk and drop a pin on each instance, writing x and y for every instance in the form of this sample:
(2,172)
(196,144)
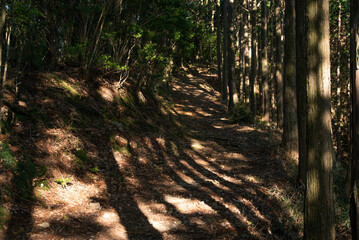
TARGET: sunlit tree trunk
(354,72)
(266,93)
(213,13)
(233,94)
(241,58)
(338,79)
(246,54)
(272,62)
(319,197)
(279,63)
(253,60)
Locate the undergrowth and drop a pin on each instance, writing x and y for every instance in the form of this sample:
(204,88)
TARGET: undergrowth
(241,114)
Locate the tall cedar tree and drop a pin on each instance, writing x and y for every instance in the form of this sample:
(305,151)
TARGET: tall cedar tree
(290,126)
(278,62)
(301,67)
(219,42)
(266,93)
(354,72)
(246,54)
(233,94)
(225,52)
(319,201)
(253,60)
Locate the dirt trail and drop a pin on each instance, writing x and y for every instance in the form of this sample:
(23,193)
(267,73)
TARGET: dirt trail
(218,180)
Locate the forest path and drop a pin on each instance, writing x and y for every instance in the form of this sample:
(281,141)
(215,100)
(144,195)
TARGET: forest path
(229,175)
(206,178)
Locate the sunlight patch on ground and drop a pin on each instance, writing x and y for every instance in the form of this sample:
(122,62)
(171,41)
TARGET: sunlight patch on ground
(204,113)
(195,144)
(165,224)
(75,193)
(232,179)
(158,216)
(112,222)
(187,113)
(202,162)
(189,206)
(252,179)
(106,93)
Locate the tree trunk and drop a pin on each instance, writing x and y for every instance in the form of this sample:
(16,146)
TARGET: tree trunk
(301,67)
(260,107)
(319,199)
(219,54)
(225,52)
(233,94)
(339,93)
(290,124)
(273,83)
(2,23)
(279,64)
(246,55)
(254,60)
(266,93)
(354,73)
(241,59)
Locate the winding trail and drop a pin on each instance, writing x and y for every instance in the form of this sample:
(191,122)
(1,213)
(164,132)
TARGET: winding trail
(206,178)
(219,181)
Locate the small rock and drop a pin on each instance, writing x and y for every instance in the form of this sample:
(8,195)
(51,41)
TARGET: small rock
(44,225)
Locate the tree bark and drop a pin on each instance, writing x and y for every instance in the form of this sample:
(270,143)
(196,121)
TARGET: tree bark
(301,67)
(290,123)
(241,59)
(246,55)
(319,198)
(273,83)
(339,91)
(225,52)
(253,60)
(266,93)
(233,94)
(279,63)
(219,42)
(354,75)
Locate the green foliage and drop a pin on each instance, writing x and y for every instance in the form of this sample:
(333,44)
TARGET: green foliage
(7,158)
(3,218)
(81,158)
(95,169)
(109,64)
(23,15)
(63,181)
(118,148)
(75,53)
(137,31)
(241,114)
(25,172)
(42,183)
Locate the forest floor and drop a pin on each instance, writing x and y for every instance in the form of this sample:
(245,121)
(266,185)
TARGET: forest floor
(185,171)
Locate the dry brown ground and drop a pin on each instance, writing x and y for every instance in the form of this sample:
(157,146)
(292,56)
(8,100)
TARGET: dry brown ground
(206,178)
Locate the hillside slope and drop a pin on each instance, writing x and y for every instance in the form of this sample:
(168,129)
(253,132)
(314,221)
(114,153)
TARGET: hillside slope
(86,161)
